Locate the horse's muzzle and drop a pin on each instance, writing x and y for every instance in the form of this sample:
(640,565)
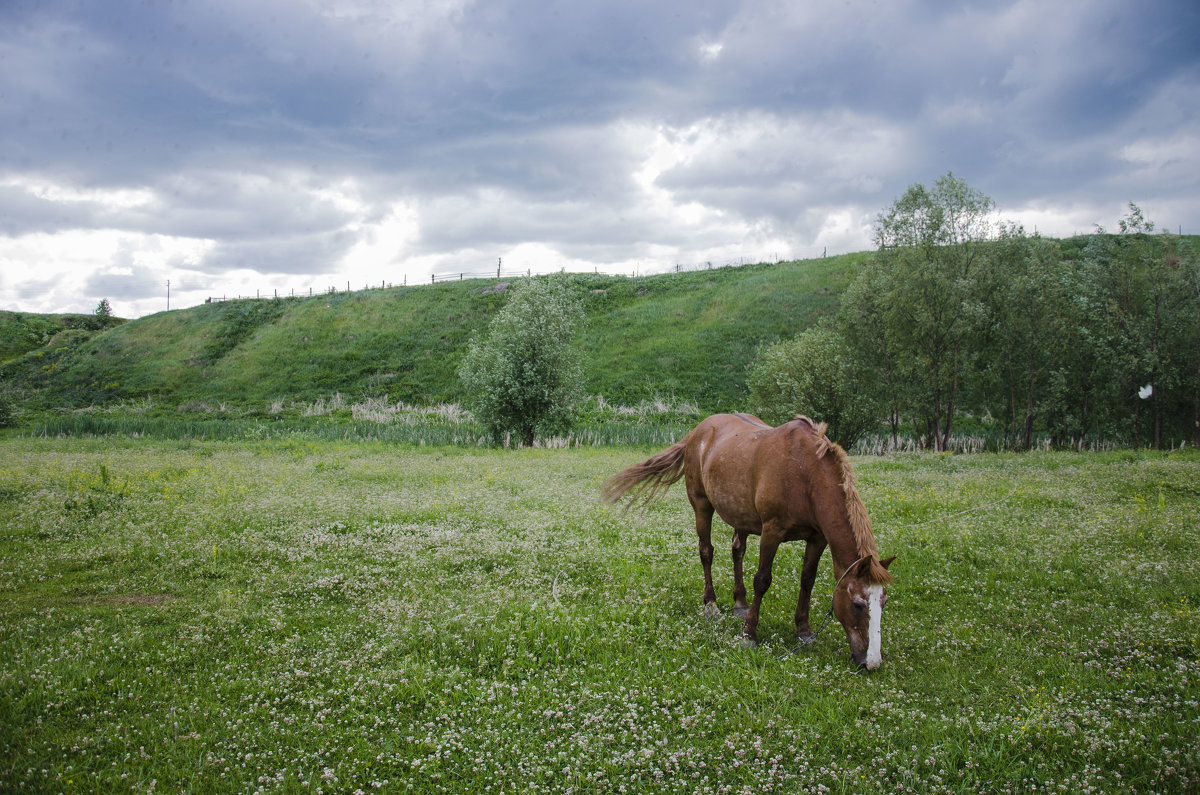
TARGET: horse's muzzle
(861,665)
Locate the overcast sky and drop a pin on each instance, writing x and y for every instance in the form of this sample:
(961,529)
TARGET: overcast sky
(235,146)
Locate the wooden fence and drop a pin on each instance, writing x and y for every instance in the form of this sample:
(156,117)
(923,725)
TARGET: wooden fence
(498,273)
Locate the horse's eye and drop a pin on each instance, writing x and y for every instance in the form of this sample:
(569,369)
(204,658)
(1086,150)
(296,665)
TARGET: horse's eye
(860,606)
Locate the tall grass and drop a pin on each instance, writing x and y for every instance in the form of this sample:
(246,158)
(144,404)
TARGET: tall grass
(659,422)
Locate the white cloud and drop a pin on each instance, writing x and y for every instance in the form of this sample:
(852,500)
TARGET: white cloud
(71,271)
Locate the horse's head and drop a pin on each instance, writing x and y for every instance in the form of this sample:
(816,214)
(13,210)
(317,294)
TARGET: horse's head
(858,603)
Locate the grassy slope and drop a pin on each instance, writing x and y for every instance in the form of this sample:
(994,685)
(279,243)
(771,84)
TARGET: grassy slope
(688,335)
(217,617)
(692,334)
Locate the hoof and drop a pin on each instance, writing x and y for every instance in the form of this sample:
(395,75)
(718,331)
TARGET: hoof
(711,611)
(740,612)
(748,642)
(807,639)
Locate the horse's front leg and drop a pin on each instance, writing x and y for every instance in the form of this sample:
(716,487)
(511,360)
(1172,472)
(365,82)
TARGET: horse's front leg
(768,545)
(740,606)
(812,559)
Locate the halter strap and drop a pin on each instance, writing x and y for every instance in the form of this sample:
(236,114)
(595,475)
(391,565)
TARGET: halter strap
(829,612)
(847,571)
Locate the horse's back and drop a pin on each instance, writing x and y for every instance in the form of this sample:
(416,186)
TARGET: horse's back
(749,470)
(725,439)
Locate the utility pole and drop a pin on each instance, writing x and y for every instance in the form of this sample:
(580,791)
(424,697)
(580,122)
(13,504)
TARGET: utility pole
(168,295)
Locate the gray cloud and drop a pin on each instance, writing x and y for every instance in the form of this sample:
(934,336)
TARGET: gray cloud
(230,141)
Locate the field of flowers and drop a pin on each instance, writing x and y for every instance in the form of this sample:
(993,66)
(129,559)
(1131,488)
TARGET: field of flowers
(319,616)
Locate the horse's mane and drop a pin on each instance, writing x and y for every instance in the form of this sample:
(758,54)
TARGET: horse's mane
(860,522)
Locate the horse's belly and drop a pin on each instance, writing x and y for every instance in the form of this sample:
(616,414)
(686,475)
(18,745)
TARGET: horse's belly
(739,520)
(734,503)
(725,467)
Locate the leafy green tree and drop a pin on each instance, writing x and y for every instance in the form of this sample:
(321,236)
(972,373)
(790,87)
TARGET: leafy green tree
(929,253)
(1081,358)
(1022,288)
(1154,314)
(814,374)
(103,309)
(1182,335)
(1128,318)
(876,349)
(523,378)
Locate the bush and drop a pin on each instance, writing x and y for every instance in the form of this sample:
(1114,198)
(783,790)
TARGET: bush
(523,378)
(7,412)
(813,374)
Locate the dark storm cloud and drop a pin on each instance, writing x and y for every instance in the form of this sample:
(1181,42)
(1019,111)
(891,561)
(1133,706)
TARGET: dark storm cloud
(125,285)
(307,138)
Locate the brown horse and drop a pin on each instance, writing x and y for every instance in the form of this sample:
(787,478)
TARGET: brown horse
(782,484)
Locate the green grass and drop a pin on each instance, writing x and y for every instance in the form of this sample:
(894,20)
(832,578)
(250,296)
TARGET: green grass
(686,336)
(298,615)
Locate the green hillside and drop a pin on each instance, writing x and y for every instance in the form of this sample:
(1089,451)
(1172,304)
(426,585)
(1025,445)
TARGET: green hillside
(22,332)
(687,335)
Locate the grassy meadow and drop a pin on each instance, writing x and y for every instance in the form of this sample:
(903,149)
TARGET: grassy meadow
(302,615)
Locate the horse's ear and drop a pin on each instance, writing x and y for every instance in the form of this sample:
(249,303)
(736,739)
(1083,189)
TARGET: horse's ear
(888,562)
(864,569)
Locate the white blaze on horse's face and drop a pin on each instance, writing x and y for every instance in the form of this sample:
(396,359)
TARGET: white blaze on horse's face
(874,616)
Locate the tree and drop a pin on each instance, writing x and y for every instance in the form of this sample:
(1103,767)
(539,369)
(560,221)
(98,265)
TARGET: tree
(1153,313)
(103,309)
(929,252)
(1128,318)
(523,377)
(861,322)
(813,374)
(1022,287)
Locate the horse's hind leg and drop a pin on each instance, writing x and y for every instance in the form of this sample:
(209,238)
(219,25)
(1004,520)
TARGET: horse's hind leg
(704,514)
(808,576)
(740,606)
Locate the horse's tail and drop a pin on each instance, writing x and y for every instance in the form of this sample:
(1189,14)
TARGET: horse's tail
(647,480)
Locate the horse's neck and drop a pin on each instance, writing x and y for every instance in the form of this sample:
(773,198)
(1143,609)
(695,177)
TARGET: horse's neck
(844,553)
(834,521)
(843,559)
